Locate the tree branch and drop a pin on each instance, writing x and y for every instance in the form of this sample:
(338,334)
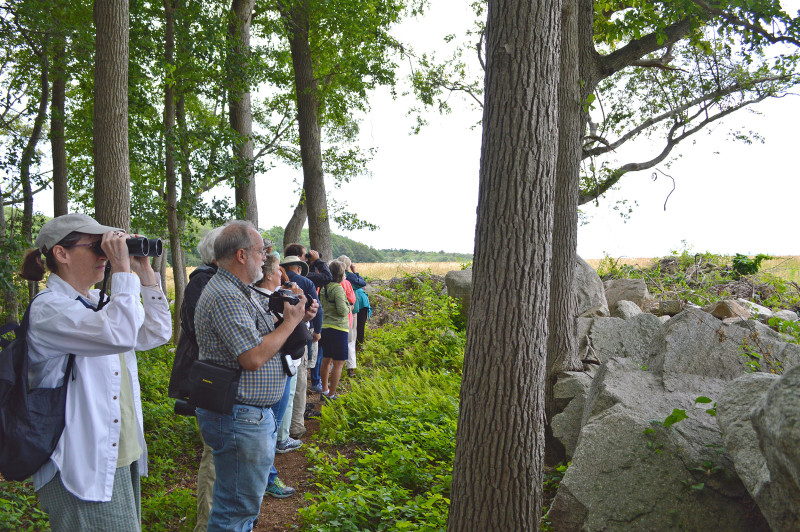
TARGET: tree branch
(638,48)
(672,141)
(736,87)
(744,24)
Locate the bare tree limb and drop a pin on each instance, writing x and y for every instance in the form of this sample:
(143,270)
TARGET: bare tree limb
(736,87)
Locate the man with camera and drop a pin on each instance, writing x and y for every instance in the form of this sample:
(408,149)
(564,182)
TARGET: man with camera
(234,331)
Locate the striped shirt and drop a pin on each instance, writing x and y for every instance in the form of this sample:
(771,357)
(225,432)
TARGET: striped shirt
(229,321)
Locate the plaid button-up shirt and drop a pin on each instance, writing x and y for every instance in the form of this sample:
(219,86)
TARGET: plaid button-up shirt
(229,321)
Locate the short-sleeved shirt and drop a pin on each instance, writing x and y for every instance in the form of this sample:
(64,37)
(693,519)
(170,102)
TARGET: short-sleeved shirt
(229,321)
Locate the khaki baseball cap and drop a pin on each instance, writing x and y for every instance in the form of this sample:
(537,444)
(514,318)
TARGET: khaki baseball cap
(56,229)
(293,260)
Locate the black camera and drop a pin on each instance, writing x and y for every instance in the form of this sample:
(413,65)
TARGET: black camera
(138,246)
(279,298)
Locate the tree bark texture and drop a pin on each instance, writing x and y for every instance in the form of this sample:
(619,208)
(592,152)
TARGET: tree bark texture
(562,349)
(111,162)
(295,226)
(497,474)
(297,20)
(173,223)
(57,139)
(241,113)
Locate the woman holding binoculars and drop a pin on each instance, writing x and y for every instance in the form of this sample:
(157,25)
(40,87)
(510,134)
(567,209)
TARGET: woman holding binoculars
(92,478)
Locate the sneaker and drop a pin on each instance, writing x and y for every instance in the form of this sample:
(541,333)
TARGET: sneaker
(351,373)
(289,444)
(311,414)
(329,398)
(279,490)
(315,388)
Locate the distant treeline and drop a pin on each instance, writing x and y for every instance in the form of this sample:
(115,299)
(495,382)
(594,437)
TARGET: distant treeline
(357,251)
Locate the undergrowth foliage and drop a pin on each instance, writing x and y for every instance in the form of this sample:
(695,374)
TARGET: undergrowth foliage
(389,443)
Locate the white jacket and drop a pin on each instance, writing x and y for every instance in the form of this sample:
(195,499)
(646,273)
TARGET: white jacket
(86,454)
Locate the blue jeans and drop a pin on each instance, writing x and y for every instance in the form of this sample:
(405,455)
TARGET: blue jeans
(316,380)
(278,410)
(244,448)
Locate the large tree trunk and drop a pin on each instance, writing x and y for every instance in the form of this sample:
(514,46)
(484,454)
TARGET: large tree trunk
(173,223)
(295,226)
(319,229)
(497,474)
(57,139)
(562,349)
(241,115)
(111,164)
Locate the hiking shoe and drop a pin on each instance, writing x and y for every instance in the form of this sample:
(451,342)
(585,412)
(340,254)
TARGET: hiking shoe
(279,490)
(315,388)
(310,413)
(289,444)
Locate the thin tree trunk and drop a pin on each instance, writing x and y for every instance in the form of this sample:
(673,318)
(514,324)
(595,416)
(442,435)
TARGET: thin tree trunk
(57,139)
(562,349)
(241,115)
(173,224)
(111,164)
(497,474)
(26,160)
(10,303)
(297,20)
(295,226)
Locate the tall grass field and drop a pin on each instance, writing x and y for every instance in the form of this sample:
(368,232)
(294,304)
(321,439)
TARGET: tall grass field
(785,267)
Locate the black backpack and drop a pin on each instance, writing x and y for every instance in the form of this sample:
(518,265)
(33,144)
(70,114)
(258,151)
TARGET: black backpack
(31,421)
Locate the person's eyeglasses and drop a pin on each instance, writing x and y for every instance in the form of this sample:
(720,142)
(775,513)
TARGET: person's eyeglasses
(89,245)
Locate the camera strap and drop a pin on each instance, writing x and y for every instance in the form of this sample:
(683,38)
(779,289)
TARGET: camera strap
(103,297)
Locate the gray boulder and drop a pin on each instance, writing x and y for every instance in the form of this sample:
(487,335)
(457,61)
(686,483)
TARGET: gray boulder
(591,297)
(630,474)
(625,309)
(459,286)
(787,315)
(776,420)
(639,338)
(734,409)
(628,289)
(670,307)
(727,308)
(761,312)
(700,351)
(570,390)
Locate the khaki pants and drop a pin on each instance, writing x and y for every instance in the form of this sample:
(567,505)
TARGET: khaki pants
(351,344)
(205,487)
(298,426)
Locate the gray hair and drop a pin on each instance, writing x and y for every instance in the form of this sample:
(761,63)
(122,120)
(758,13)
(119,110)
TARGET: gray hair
(271,264)
(337,271)
(206,246)
(344,259)
(235,235)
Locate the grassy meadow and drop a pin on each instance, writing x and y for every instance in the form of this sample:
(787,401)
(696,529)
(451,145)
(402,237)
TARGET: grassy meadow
(784,267)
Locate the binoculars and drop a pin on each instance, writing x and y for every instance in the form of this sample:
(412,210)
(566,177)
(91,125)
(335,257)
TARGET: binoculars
(138,246)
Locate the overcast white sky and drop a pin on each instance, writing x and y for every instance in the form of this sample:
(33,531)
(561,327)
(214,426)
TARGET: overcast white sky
(423,191)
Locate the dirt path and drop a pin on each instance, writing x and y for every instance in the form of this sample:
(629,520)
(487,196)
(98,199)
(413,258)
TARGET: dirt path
(281,514)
